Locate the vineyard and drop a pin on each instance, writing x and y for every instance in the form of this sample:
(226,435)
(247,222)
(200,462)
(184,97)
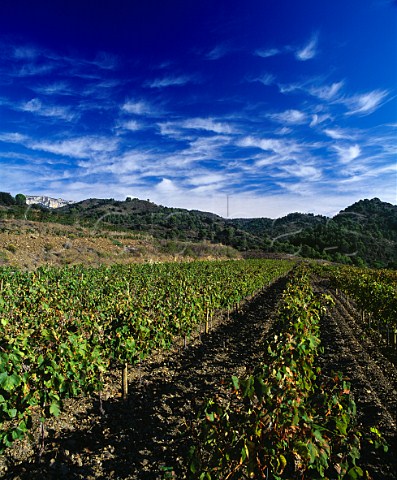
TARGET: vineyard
(229,369)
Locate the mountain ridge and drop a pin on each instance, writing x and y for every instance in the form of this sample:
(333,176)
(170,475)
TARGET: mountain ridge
(363,234)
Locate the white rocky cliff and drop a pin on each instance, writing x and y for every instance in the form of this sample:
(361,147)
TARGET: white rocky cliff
(47,201)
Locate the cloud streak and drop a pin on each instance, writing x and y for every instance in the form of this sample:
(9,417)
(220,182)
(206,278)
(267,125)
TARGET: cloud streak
(140,107)
(218,52)
(80,147)
(170,81)
(366,103)
(178,128)
(348,154)
(268,52)
(308,51)
(35,106)
(290,117)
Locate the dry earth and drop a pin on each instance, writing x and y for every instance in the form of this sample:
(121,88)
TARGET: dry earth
(370,366)
(143,438)
(28,245)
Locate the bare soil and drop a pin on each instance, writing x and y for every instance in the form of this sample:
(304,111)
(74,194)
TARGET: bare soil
(145,437)
(28,245)
(370,366)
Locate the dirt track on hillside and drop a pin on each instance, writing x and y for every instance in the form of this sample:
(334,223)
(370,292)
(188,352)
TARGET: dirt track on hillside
(143,437)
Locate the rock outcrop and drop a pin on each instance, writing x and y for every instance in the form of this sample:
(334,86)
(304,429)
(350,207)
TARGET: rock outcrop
(47,201)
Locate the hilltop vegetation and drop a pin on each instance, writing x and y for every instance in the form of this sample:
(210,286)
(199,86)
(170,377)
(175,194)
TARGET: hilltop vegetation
(364,234)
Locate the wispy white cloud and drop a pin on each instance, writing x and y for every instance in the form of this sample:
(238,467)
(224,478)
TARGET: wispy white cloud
(182,129)
(303,53)
(185,161)
(25,52)
(35,106)
(98,89)
(309,50)
(207,178)
(218,52)
(80,147)
(381,140)
(166,186)
(267,160)
(366,103)
(268,52)
(283,131)
(104,61)
(13,137)
(308,172)
(315,88)
(339,134)
(139,107)
(291,117)
(189,159)
(266,79)
(131,125)
(169,129)
(203,149)
(370,173)
(347,154)
(290,87)
(317,119)
(32,70)
(208,124)
(326,92)
(56,88)
(25,60)
(170,81)
(130,162)
(359,104)
(286,149)
(299,190)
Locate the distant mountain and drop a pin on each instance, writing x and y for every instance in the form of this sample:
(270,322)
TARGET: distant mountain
(48,202)
(365,233)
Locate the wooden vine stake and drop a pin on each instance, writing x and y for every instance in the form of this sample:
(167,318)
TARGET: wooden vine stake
(207,322)
(124,382)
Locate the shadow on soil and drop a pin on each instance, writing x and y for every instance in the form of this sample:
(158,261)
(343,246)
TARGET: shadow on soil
(143,438)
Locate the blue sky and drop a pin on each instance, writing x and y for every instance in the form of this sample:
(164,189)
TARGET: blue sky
(281,106)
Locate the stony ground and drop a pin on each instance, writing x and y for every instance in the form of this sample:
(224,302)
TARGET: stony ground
(143,438)
(27,245)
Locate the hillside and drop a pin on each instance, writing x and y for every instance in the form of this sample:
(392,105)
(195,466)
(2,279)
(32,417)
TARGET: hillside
(364,233)
(28,245)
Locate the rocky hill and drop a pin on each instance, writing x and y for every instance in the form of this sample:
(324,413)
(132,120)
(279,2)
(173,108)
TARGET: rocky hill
(48,202)
(364,233)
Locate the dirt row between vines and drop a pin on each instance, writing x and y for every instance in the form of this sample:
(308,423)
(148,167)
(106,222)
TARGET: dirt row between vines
(144,438)
(349,347)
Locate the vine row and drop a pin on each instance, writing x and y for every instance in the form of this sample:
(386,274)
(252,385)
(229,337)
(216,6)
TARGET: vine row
(286,420)
(61,330)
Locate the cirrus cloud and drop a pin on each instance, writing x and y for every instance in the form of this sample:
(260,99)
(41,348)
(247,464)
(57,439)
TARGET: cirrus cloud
(308,51)
(366,103)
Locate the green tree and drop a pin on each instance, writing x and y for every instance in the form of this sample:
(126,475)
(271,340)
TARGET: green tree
(6,199)
(20,199)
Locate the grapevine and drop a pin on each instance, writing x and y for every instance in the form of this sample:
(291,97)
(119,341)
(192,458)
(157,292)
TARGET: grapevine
(62,329)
